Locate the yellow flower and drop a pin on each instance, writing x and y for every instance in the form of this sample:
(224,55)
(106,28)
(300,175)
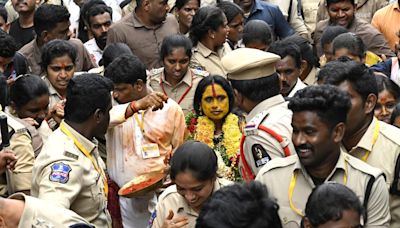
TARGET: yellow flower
(205,131)
(232,135)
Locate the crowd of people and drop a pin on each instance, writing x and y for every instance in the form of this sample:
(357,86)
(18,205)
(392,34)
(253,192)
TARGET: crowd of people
(259,113)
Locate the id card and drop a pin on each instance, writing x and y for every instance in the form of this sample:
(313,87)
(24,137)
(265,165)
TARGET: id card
(150,150)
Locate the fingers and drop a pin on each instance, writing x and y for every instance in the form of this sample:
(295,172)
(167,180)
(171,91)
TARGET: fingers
(178,222)
(31,121)
(170,215)
(8,158)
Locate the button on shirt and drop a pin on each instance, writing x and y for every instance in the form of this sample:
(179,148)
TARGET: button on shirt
(273,16)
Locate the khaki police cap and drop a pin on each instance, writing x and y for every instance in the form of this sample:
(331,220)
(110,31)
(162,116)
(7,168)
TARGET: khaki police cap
(249,64)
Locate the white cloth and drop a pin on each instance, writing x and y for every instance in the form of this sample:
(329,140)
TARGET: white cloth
(95,52)
(299,85)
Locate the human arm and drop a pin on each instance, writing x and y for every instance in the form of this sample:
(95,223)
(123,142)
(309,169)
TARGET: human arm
(378,205)
(7,160)
(20,177)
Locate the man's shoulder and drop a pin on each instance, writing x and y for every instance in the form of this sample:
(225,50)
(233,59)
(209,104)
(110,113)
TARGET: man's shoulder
(59,146)
(278,164)
(27,49)
(362,167)
(321,25)
(390,132)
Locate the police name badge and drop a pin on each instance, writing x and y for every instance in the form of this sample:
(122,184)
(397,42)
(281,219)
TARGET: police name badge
(150,150)
(60,172)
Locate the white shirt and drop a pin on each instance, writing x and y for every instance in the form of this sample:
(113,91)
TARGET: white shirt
(299,85)
(95,52)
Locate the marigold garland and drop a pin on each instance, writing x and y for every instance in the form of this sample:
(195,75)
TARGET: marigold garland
(202,129)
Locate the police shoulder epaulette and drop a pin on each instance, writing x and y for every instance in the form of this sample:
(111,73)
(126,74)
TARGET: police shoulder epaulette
(252,126)
(170,191)
(362,166)
(70,149)
(200,72)
(278,163)
(155,72)
(390,132)
(15,125)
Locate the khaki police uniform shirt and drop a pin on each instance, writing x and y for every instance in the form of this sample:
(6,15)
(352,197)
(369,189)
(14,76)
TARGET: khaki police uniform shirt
(184,89)
(63,175)
(383,155)
(277,175)
(170,199)
(42,214)
(259,146)
(33,53)
(20,178)
(208,60)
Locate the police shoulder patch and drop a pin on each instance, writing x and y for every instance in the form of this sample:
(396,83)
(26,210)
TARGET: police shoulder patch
(60,172)
(260,155)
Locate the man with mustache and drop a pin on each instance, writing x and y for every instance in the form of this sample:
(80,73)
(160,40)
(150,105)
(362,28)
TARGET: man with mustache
(342,13)
(22,29)
(144,29)
(256,87)
(99,20)
(319,117)
(367,138)
(289,67)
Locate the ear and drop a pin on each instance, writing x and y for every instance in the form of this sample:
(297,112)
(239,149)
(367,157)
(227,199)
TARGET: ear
(7,27)
(98,115)
(370,103)
(45,36)
(37,3)
(2,222)
(306,223)
(338,132)
(146,5)
(139,85)
(238,97)
(303,66)
(211,33)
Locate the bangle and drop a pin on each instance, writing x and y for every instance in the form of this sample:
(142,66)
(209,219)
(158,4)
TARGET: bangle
(133,107)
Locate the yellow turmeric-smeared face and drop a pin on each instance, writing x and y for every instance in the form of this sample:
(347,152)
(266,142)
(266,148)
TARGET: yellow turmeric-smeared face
(215,102)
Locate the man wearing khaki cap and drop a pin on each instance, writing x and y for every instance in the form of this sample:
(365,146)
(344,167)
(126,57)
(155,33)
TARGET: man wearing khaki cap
(268,132)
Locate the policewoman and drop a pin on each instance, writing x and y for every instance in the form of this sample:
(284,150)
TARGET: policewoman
(176,80)
(69,171)
(268,130)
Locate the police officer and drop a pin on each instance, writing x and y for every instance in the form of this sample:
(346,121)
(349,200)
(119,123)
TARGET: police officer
(69,172)
(256,86)
(319,115)
(176,80)
(367,138)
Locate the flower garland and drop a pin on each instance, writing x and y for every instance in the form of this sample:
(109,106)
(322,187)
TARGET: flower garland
(226,145)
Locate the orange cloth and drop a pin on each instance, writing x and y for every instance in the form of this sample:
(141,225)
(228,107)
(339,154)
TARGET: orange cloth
(386,20)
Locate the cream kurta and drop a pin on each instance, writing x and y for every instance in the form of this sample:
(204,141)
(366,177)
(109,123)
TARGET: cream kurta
(165,128)
(277,175)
